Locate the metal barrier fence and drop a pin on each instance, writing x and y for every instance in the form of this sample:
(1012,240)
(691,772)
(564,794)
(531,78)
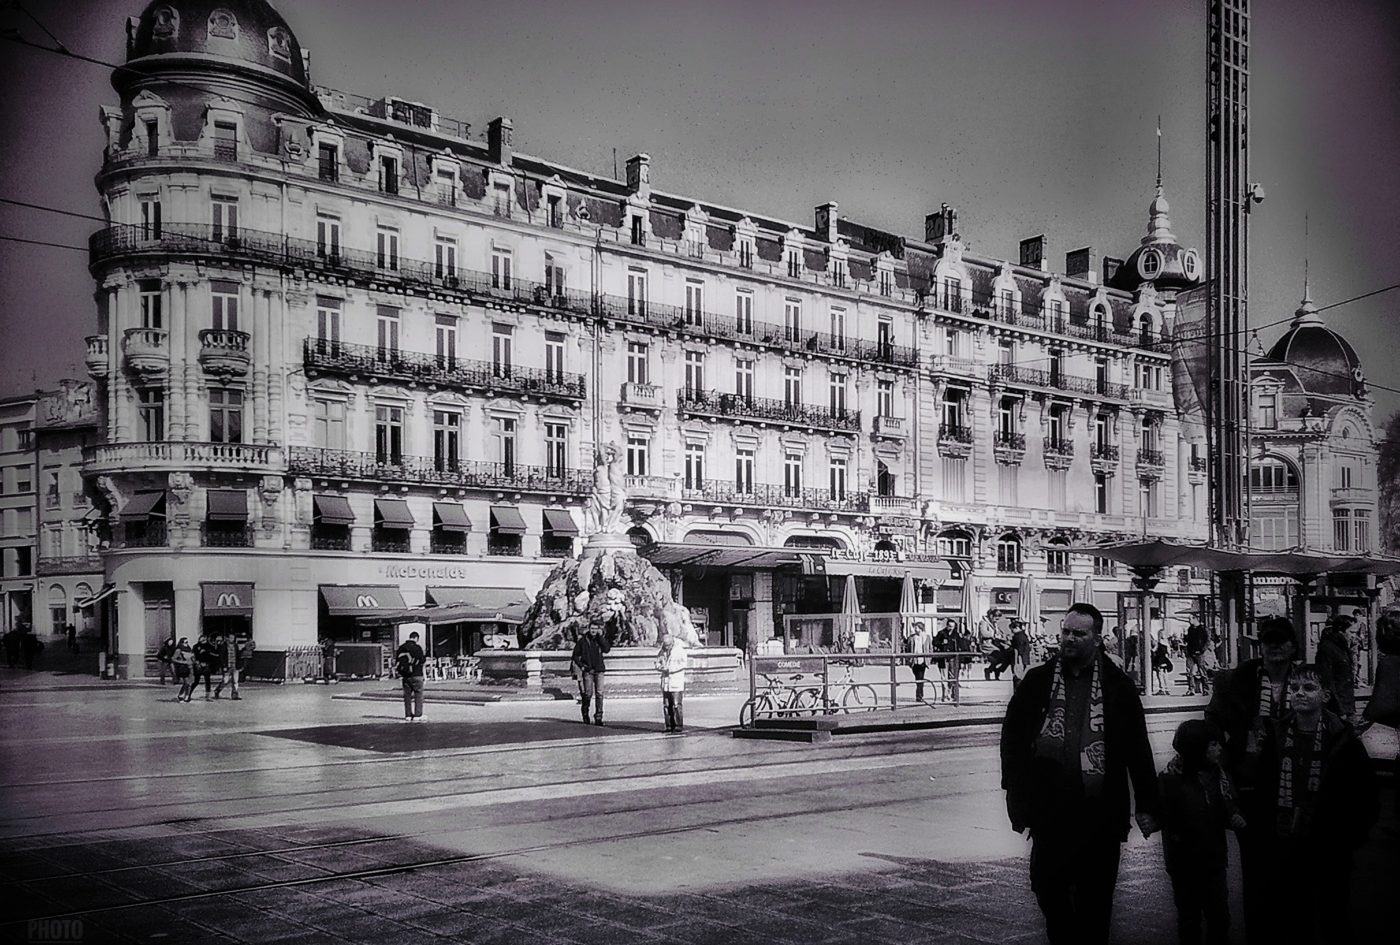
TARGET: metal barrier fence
(811,633)
(808,685)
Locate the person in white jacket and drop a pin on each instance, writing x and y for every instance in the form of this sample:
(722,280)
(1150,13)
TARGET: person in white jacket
(671,662)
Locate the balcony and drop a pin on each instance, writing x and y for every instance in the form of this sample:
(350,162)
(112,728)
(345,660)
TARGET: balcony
(151,534)
(954,440)
(1150,398)
(712,403)
(224,353)
(147,351)
(1197,464)
(1009,448)
(183,457)
(945,365)
(1103,458)
(1350,497)
(1059,454)
(439,543)
(330,539)
(425,470)
(637,396)
(890,427)
(226,150)
(1014,375)
(1151,459)
(765,495)
(504,547)
(389,542)
(239,536)
(69,564)
(368,362)
(892,505)
(652,487)
(96,359)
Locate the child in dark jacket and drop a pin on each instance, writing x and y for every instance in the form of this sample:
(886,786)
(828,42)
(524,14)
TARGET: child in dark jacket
(1198,806)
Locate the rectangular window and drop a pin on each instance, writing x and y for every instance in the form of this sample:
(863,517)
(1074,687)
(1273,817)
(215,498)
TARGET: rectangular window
(954,417)
(952,342)
(638,357)
(694,466)
(327,236)
(225,415)
(1006,351)
(636,292)
(1341,530)
(328,162)
(637,455)
(1006,417)
(445,332)
(556,449)
(445,258)
(447,440)
(836,477)
(1344,476)
(838,329)
(886,283)
(794,265)
(1101,493)
(884,399)
(505,444)
(1059,488)
(743,378)
(1268,411)
(553,277)
(556,211)
(387,325)
(836,387)
(224,218)
(554,357)
(1009,486)
(502,350)
(1147,498)
(746,253)
(955,480)
(329,429)
(838,273)
(152,138)
(743,312)
(637,234)
(1057,430)
(792,320)
(388,434)
(1056,310)
(150,217)
(1102,436)
(792,475)
(225,141)
(328,325)
(387,248)
(224,314)
(501,267)
(1057,363)
(150,413)
(151,296)
(1101,374)
(884,338)
(446,179)
(743,470)
(500,199)
(694,302)
(388,174)
(792,386)
(1361,530)
(694,371)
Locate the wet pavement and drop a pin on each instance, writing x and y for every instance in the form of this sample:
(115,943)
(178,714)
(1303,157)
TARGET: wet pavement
(308,814)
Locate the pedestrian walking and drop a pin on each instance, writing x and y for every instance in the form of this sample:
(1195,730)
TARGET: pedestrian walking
(918,642)
(206,661)
(71,633)
(1195,645)
(1162,669)
(31,646)
(182,659)
(588,666)
(1199,806)
(327,660)
(164,659)
(1334,657)
(672,662)
(1073,738)
(1245,707)
(229,677)
(1020,654)
(1320,793)
(410,659)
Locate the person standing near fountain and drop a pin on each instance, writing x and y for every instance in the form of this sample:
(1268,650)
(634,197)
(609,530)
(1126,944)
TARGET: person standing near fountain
(589,666)
(671,662)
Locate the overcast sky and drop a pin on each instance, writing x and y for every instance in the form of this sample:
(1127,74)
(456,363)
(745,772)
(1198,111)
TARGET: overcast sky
(1030,116)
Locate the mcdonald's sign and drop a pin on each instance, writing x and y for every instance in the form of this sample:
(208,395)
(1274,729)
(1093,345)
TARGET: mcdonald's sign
(228,600)
(366,601)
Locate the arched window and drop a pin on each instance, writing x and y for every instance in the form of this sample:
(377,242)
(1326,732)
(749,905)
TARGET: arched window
(1099,317)
(58,608)
(1009,554)
(955,545)
(1272,476)
(885,544)
(1273,504)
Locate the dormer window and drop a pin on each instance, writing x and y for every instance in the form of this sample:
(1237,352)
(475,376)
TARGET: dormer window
(1150,264)
(328,161)
(794,264)
(446,179)
(746,253)
(389,174)
(637,234)
(225,141)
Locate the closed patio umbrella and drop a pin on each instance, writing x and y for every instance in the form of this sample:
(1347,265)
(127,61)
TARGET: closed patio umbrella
(969,602)
(850,616)
(908,604)
(1028,610)
(1084,589)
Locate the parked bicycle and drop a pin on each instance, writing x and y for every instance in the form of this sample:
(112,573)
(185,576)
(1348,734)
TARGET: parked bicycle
(853,696)
(780,699)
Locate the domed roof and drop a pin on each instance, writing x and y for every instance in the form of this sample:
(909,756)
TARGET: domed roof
(1324,362)
(1160,260)
(245,31)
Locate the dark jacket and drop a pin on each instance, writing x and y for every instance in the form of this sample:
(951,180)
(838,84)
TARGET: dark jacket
(1196,640)
(166,651)
(206,657)
(1030,782)
(1347,805)
(588,652)
(410,659)
(1195,815)
(1334,659)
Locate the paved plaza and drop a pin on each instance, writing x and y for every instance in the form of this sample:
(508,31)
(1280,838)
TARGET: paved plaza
(313,814)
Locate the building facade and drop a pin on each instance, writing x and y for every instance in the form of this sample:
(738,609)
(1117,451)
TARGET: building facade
(351,356)
(16,512)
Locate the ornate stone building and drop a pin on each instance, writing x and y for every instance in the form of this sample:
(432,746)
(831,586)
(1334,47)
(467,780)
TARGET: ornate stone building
(354,356)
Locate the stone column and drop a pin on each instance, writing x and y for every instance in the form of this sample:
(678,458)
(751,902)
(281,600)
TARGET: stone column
(118,385)
(257,391)
(176,307)
(276,326)
(114,360)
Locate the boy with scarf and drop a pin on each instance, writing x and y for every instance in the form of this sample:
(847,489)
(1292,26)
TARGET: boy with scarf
(1073,738)
(1198,805)
(1320,803)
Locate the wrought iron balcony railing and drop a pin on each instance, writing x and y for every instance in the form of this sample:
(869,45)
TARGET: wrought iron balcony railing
(715,403)
(954,433)
(1010,441)
(217,536)
(772,495)
(504,547)
(150,535)
(440,544)
(1151,458)
(346,359)
(1016,374)
(1105,452)
(1060,447)
(330,539)
(427,470)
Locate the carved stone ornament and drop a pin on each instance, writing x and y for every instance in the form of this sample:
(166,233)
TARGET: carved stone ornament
(279,43)
(165,23)
(223,25)
(108,490)
(181,485)
(269,489)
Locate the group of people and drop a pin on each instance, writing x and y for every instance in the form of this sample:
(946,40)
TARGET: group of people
(1273,760)
(21,643)
(221,654)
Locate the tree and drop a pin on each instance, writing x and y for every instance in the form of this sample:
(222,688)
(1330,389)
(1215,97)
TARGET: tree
(1388,483)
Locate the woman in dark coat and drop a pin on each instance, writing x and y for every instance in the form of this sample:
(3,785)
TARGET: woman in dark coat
(206,664)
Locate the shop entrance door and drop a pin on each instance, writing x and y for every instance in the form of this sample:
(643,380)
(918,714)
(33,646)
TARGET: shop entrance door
(159,604)
(739,628)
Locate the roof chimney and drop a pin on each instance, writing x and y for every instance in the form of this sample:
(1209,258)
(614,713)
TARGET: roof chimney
(1079,264)
(1033,252)
(639,175)
(1110,268)
(942,225)
(500,140)
(826,221)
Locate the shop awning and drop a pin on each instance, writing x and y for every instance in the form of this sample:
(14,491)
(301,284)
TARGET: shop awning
(506,520)
(226,505)
(228,600)
(142,506)
(361,600)
(471,605)
(333,510)
(106,591)
(393,513)
(936,571)
(1159,553)
(451,517)
(680,554)
(560,522)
